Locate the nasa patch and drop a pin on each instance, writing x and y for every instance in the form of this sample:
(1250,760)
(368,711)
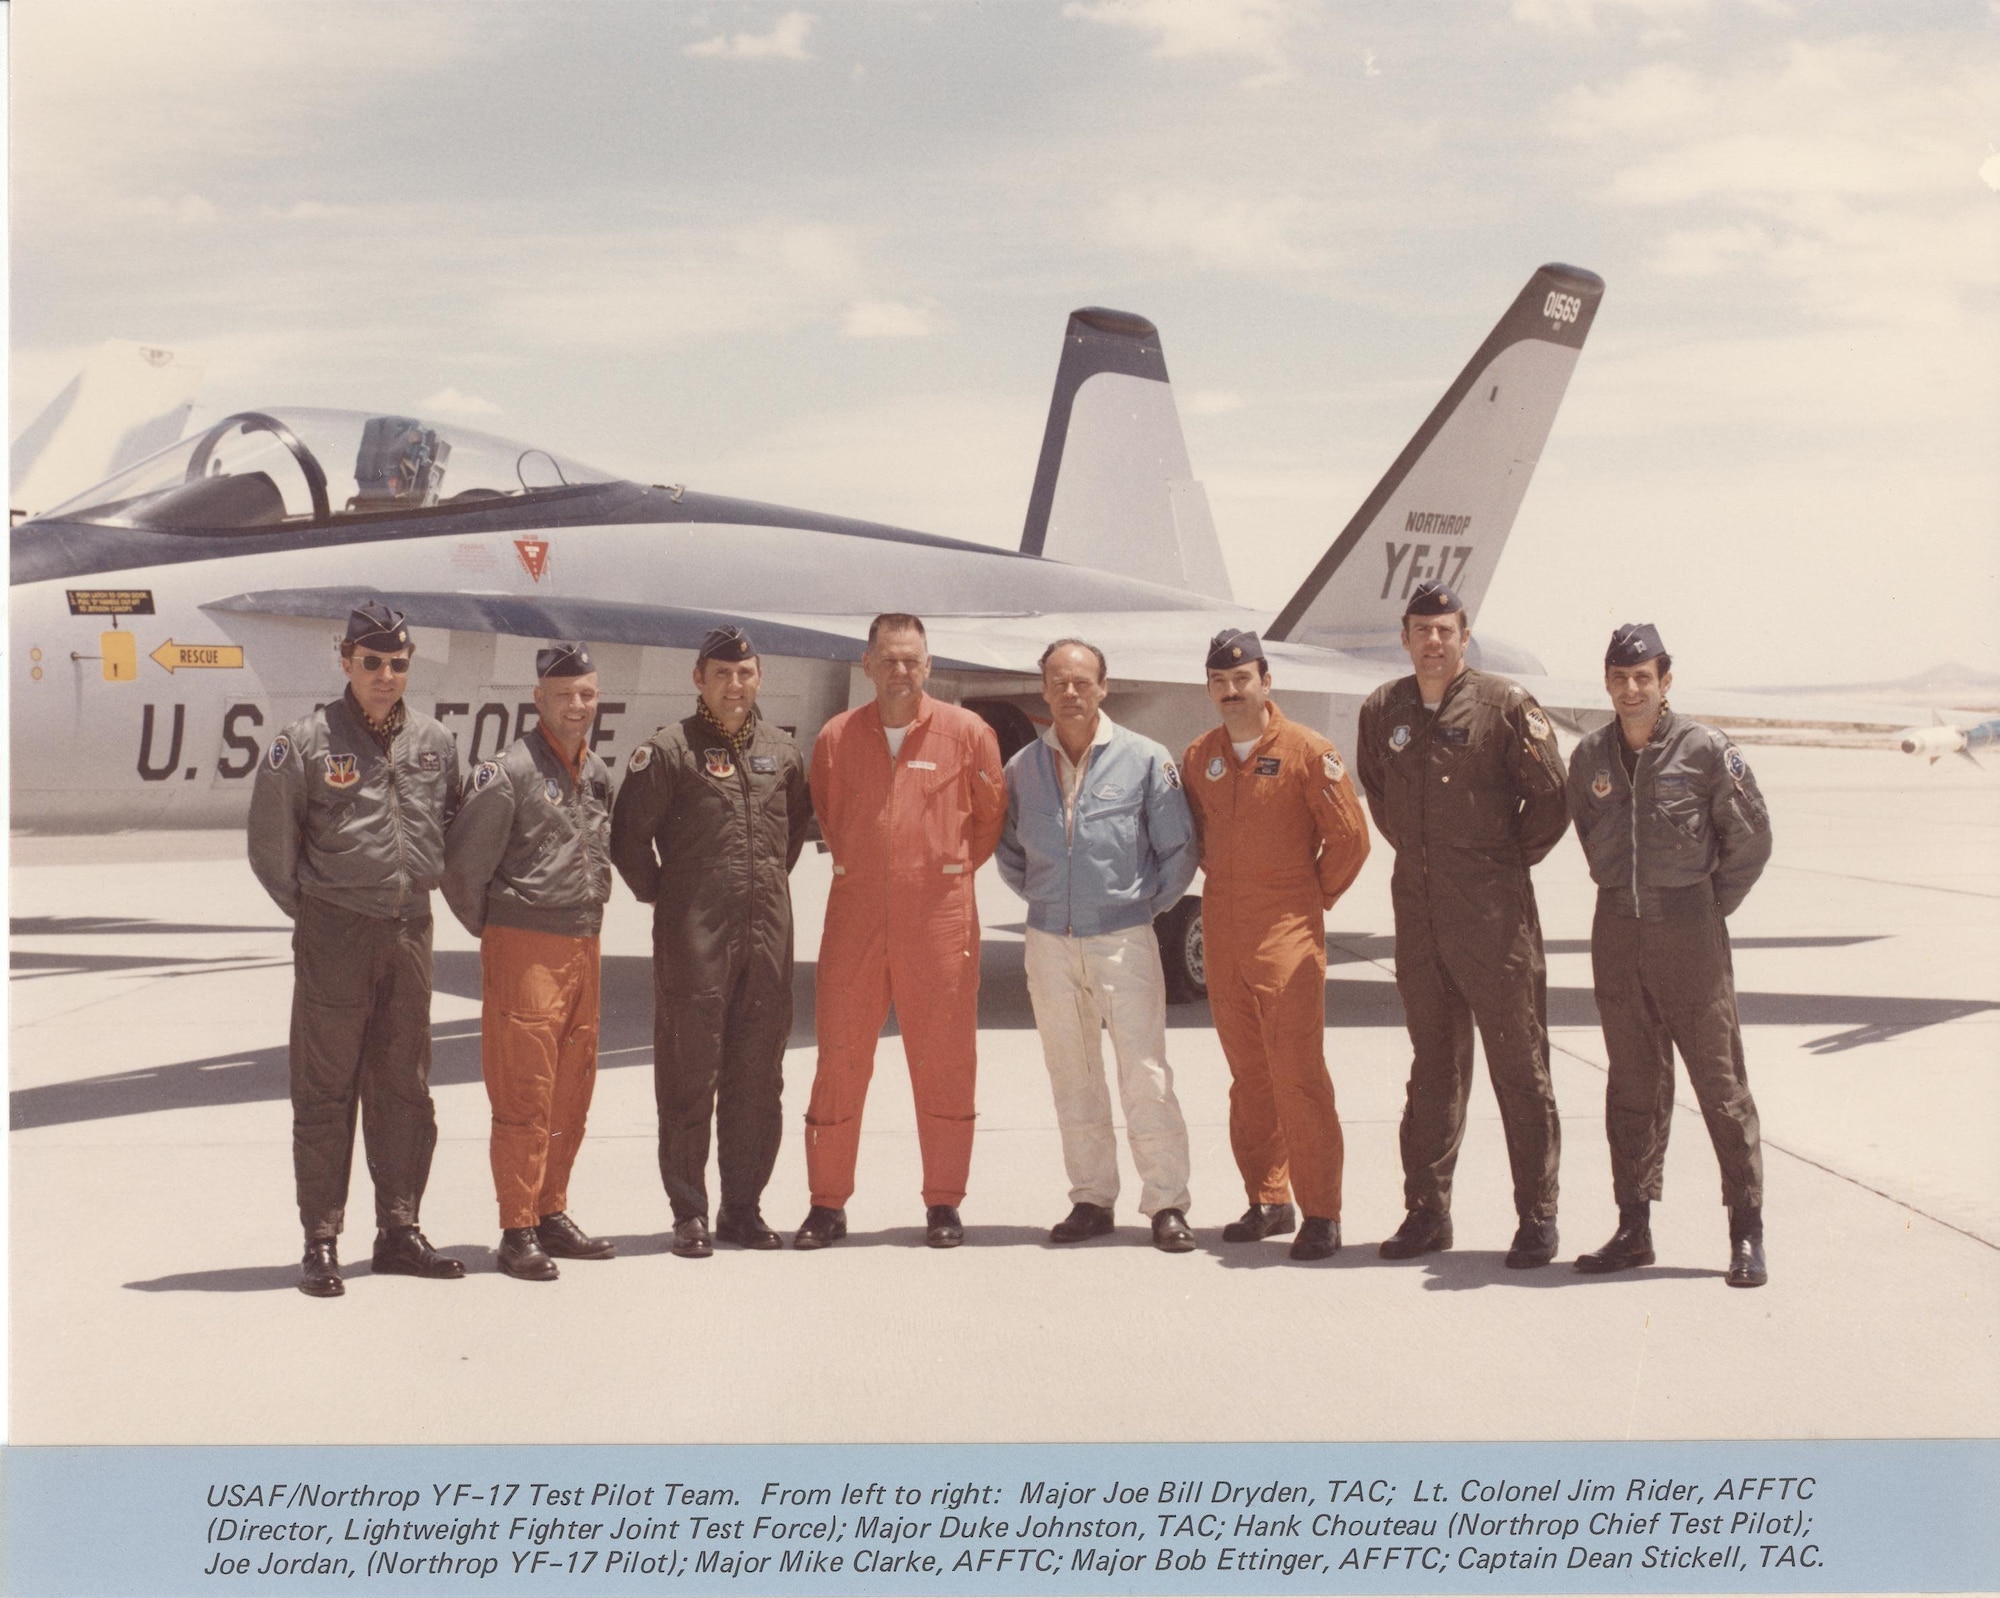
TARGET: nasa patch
(1331,765)
(552,789)
(280,752)
(764,765)
(1600,784)
(1538,723)
(718,763)
(1733,759)
(1172,774)
(642,757)
(1216,767)
(483,775)
(341,771)
(1268,765)
(1400,738)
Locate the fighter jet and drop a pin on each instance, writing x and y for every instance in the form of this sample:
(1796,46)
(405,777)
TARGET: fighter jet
(168,621)
(1943,738)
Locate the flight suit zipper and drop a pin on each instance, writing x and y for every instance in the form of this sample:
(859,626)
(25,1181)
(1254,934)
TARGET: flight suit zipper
(1632,805)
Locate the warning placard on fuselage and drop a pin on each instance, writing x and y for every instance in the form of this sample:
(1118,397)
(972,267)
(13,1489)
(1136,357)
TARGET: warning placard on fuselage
(110,601)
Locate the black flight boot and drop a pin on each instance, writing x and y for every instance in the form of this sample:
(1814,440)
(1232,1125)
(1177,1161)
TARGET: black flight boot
(1084,1221)
(1261,1221)
(1422,1232)
(1535,1243)
(523,1256)
(320,1276)
(942,1227)
(743,1225)
(821,1226)
(691,1240)
(405,1251)
(564,1239)
(1746,1246)
(1318,1239)
(1630,1246)
(1171,1232)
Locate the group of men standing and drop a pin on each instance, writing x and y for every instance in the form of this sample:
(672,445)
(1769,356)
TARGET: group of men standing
(358,812)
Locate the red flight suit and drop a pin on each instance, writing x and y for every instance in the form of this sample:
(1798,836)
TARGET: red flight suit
(1282,837)
(907,834)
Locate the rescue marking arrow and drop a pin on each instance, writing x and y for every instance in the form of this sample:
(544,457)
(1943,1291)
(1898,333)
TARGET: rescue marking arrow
(199,657)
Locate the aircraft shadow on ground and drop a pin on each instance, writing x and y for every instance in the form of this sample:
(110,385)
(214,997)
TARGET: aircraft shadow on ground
(626,1029)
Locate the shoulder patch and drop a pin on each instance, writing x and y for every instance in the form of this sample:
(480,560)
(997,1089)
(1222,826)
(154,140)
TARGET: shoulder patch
(1329,762)
(640,758)
(483,775)
(1171,772)
(279,752)
(1733,759)
(1538,723)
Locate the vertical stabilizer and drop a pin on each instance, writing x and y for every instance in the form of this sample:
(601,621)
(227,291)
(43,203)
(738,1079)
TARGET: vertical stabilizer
(1113,488)
(128,401)
(1448,503)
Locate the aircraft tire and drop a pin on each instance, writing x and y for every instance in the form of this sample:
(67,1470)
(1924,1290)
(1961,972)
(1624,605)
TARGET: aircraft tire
(1179,932)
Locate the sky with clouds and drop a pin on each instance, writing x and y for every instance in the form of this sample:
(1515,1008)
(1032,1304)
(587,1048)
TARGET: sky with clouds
(823,255)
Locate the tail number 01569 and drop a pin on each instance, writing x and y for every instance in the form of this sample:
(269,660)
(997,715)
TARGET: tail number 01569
(1559,307)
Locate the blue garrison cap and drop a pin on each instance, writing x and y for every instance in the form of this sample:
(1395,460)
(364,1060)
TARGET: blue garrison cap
(1433,598)
(373,626)
(564,660)
(1634,644)
(725,643)
(1233,647)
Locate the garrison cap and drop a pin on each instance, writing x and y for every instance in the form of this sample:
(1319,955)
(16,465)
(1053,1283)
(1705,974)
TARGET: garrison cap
(1232,647)
(1633,645)
(1433,599)
(564,660)
(373,626)
(725,643)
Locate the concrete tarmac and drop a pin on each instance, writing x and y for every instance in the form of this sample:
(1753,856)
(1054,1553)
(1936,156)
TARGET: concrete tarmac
(154,1237)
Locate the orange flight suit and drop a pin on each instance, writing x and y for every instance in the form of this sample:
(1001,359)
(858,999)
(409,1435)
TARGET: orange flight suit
(907,834)
(1282,837)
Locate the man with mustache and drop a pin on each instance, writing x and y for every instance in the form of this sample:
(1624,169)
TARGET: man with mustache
(1464,779)
(1281,840)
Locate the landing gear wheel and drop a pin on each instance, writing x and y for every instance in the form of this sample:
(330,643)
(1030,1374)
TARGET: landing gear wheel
(1179,932)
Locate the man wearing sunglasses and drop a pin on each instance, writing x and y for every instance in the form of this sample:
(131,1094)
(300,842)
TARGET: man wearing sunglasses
(347,821)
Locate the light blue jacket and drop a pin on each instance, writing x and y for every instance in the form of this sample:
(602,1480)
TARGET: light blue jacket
(1133,852)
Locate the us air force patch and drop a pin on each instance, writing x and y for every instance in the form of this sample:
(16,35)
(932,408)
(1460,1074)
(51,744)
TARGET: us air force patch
(483,775)
(1538,723)
(1216,767)
(341,771)
(280,752)
(1400,739)
(764,765)
(552,789)
(1600,784)
(1172,773)
(642,757)
(717,763)
(1267,765)
(1330,764)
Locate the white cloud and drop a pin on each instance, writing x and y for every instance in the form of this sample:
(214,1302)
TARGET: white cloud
(1182,29)
(888,319)
(785,42)
(1232,232)
(450,402)
(667,287)
(1581,16)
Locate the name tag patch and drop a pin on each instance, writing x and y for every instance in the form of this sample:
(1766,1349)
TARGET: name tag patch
(1267,765)
(430,760)
(764,765)
(1110,791)
(921,765)
(1455,735)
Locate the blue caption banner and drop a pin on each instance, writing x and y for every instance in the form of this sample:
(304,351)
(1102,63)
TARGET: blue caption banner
(1739,1517)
